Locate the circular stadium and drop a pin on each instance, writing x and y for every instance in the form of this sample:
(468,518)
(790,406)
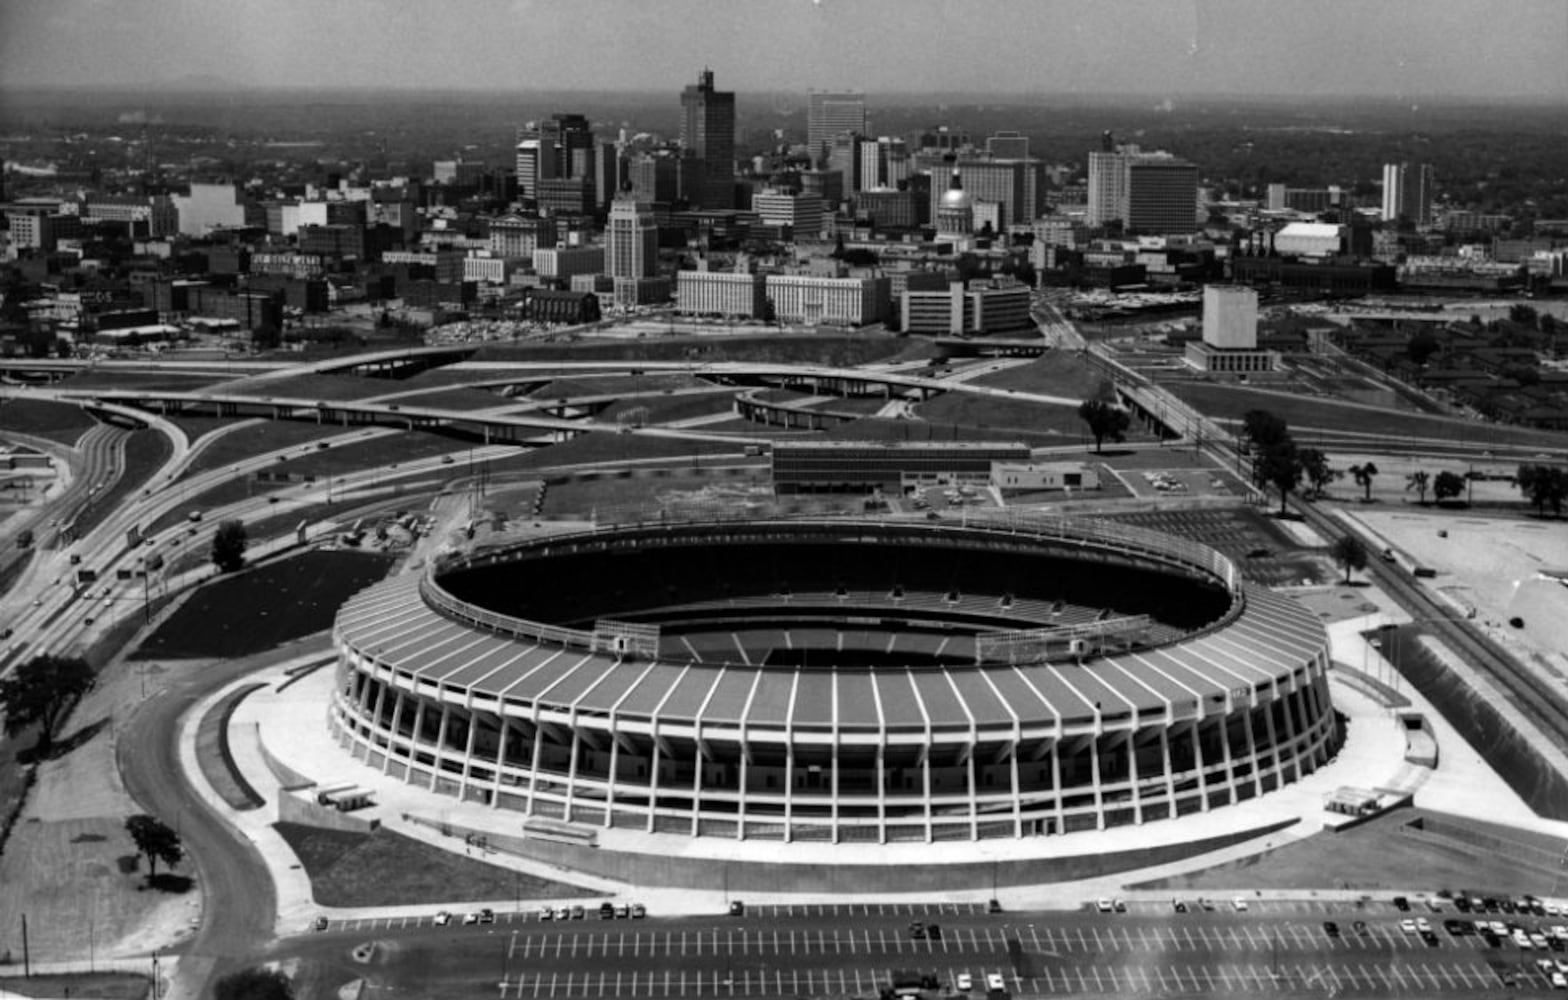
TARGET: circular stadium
(837,680)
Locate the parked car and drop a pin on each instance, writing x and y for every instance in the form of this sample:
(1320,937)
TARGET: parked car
(487,916)
(963,982)
(638,911)
(443,918)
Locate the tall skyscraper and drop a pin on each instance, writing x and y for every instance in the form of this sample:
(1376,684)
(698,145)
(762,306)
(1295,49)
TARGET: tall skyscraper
(560,147)
(831,112)
(1162,194)
(631,240)
(1407,192)
(1108,185)
(708,130)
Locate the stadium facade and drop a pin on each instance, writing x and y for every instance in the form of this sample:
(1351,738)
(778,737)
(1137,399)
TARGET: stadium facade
(837,680)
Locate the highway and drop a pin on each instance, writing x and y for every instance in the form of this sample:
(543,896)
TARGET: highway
(1276,947)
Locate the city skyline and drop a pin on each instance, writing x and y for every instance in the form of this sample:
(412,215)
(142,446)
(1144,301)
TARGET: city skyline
(1404,50)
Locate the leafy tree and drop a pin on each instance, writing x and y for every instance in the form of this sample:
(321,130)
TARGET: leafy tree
(1363,474)
(1543,485)
(1349,553)
(1421,347)
(41,692)
(1315,467)
(1418,481)
(266,337)
(1280,467)
(1447,485)
(1105,420)
(1262,428)
(1521,313)
(156,841)
(254,984)
(228,546)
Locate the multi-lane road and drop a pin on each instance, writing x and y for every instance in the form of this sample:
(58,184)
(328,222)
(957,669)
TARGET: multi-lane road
(1274,947)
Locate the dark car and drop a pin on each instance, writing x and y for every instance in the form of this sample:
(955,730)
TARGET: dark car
(1462,904)
(934,932)
(1430,939)
(1330,928)
(917,930)
(737,908)
(994,906)
(320,924)
(607,910)
(487,916)
(1401,904)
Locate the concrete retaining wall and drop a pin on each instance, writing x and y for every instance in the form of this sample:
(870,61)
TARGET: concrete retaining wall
(300,807)
(747,876)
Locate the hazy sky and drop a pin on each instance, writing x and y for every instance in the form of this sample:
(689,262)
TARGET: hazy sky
(1398,48)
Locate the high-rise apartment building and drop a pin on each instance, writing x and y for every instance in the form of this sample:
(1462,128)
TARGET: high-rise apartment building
(1108,185)
(631,239)
(830,113)
(708,130)
(1407,192)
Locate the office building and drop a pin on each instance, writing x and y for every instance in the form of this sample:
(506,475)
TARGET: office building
(209,207)
(1162,195)
(1007,146)
(720,293)
(568,262)
(1407,192)
(521,235)
(1230,333)
(631,240)
(980,309)
(708,131)
(801,298)
(802,213)
(831,113)
(884,163)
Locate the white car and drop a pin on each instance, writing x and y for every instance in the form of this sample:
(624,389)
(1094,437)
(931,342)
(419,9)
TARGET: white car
(443,918)
(994,981)
(1422,925)
(1408,926)
(546,913)
(1104,905)
(1239,904)
(470,918)
(1559,981)
(964,982)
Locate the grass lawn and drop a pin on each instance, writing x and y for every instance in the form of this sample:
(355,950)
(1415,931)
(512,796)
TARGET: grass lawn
(663,409)
(145,451)
(606,385)
(1056,373)
(149,381)
(1374,857)
(86,986)
(388,869)
(1229,402)
(826,349)
(1006,418)
(62,422)
(454,398)
(265,606)
(324,387)
(257,439)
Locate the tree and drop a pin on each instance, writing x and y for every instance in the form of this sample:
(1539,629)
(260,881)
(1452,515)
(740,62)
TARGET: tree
(1363,474)
(1543,485)
(254,984)
(156,841)
(769,312)
(1262,428)
(1279,465)
(1105,420)
(1418,481)
(1314,466)
(1421,347)
(228,546)
(1447,485)
(1349,554)
(41,692)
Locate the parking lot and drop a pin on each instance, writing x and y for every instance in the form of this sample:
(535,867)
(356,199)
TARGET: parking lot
(1245,979)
